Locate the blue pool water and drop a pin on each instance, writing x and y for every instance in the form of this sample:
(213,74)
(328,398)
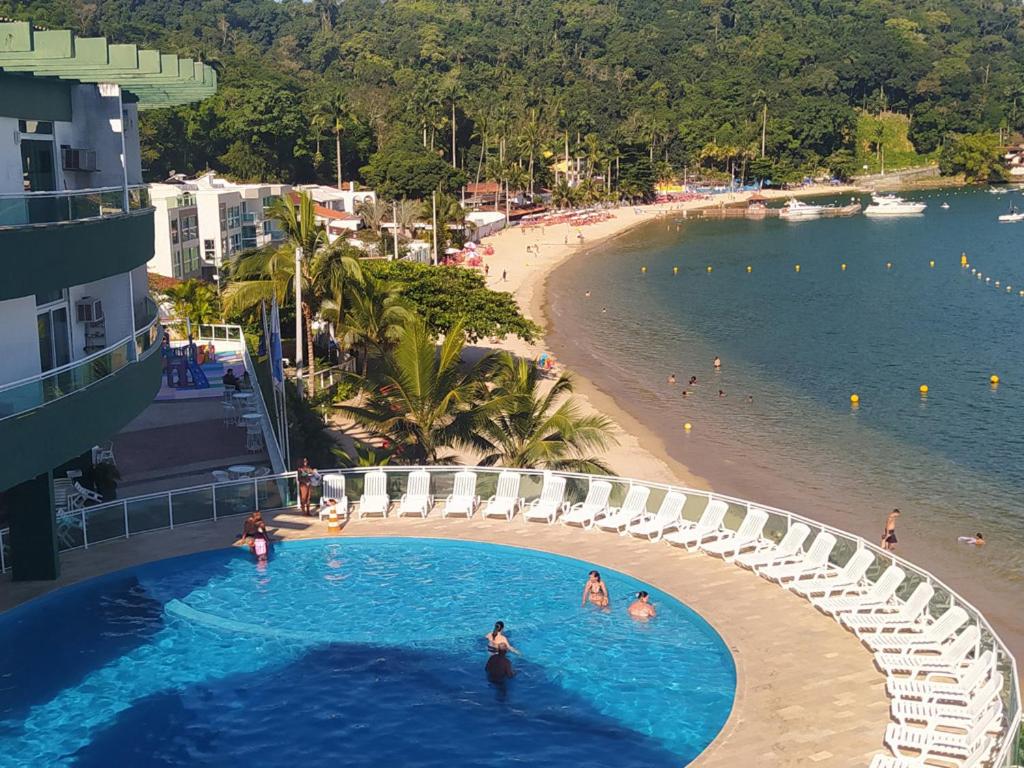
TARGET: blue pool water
(365,652)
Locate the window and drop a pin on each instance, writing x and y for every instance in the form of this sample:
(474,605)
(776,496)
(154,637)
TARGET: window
(209,251)
(234,217)
(176,266)
(189,228)
(190,260)
(267,202)
(174,231)
(49,297)
(35,126)
(223,215)
(236,242)
(268,228)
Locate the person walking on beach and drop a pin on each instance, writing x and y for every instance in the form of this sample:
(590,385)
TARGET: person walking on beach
(504,275)
(889,539)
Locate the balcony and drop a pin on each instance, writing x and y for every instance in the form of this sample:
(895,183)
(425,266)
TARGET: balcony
(28,208)
(56,415)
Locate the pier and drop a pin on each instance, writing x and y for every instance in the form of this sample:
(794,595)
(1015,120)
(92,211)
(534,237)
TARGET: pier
(763,212)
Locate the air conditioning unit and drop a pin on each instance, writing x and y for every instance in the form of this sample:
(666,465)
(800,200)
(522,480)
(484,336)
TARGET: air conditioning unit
(88,310)
(78,159)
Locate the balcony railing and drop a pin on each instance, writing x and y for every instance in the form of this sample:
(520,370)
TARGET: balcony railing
(44,388)
(171,509)
(21,209)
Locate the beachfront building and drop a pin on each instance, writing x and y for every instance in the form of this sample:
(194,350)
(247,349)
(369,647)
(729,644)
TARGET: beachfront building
(201,223)
(338,209)
(79,337)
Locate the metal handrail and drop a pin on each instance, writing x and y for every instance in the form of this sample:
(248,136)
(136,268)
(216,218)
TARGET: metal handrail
(1007,744)
(67,192)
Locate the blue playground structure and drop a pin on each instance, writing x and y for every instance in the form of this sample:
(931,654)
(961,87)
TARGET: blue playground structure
(180,367)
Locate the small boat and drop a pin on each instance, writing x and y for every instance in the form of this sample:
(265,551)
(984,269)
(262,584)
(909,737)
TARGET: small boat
(890,205)
(796,210)
(1013,215)
(944,206)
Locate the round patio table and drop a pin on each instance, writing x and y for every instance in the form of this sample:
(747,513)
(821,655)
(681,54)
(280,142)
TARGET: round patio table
(241,470)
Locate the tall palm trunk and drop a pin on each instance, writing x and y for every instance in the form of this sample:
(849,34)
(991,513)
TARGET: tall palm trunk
(337,151)
(307,316)
(454,161)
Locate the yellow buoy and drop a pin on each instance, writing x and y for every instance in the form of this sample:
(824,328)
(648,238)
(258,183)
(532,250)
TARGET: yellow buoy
(709,267)
(923,389)
(931,263)
(854,398)
(993,379)
(643,269)
(1009,289)
(687,426)
(675,270)
(842,267)
(1022,294)
(963,259)
(888,265)
(749,268)
(997,283)
(796,268)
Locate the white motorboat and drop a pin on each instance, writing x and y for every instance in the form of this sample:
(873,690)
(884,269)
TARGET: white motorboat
(944,206)
(1012,215)
(795,210)
(890,205)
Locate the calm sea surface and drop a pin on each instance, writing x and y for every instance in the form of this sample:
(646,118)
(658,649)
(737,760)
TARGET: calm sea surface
(801,342)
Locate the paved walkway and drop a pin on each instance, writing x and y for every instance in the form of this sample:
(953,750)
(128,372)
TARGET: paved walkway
(807,692)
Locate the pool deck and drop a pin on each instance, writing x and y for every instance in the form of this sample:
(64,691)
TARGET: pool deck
(807,692)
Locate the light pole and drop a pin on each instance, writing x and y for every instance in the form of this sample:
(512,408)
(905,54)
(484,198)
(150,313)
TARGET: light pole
(298,316)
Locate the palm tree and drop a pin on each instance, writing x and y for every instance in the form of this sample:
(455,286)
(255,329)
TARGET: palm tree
(562,194)
(424,400)
(333,112)
(375,316)
(531,139)
(270,272)
(374,213)
(541,430)
(195,301)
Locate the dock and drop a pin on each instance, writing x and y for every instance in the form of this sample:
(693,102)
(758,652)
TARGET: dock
(761,212)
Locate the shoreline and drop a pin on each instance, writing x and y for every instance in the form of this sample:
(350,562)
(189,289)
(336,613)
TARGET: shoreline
(642,453)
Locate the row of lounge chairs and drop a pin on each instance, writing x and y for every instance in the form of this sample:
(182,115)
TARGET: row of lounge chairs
(946,692)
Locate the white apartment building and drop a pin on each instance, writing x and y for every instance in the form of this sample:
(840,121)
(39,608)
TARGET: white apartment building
(201,223)
(338,209)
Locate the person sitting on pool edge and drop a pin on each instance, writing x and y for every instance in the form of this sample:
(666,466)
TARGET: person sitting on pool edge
(249,526)
(498,667)
(641,608)
(496,639)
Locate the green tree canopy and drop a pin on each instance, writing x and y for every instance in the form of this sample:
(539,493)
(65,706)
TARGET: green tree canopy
(406,170)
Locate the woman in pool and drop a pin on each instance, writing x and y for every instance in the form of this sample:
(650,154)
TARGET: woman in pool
(496,639)
(641,608)
(595,591)
(305,473)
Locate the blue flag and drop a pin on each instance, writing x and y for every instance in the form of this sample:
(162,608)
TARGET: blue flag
(276,364)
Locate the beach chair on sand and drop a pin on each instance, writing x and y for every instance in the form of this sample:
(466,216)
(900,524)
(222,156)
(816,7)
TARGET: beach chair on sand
(375,499)
(747,536)
(595,504)
(332,494)
(788,550)
(667,518)
(878,595)
(846,580)
(812,565)
(417,499)
(506,499)
(633,508)
(463,499)
(928,638)
(707,528)
(550,504)
(950,661)
(905,616)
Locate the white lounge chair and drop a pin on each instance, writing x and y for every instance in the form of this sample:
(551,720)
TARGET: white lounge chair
(550,504)
(789,550)
(596,503)
(936,715)
(846,580)
(332,494)
(707,528)
(908,615)
(87,494)
(747,536)
(932,743)
(878,595)
(65,497)
(977,757)
(929,637)
(950,661)
(634,507)
(375,499)
(813,564)
(667,518)
(463,499)
(942,689)
(506,499)
(417,499)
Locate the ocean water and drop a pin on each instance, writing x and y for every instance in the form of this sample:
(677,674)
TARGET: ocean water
(796,344)
(363,653)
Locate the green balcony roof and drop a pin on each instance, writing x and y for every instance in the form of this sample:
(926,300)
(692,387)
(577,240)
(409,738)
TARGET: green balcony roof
(155,79)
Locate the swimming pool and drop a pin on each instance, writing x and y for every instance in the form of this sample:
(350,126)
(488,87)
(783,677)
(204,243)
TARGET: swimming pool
(361,652)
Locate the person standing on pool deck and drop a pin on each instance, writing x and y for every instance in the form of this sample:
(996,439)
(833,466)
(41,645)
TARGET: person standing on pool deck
(498,667)
(305,473)
(496,640)
(595,591)
(641,608)
(889,539)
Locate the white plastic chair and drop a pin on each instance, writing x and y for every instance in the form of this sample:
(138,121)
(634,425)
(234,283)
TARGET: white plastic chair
(905,616)
(375,499)
(417,499)
(707,528)
(550,504)
(747,536)
(463,499)
(932,743)
(667,518)
(506,499)
(789,550)
(332,494)
(813,564)
(103,452)
(65,497)
(978,756)
(878,595)
(949,661)
(67,524)
(935,715)
(846,580)
(927,638)
(959,690)
(86,493)
(633,508)
(596,503)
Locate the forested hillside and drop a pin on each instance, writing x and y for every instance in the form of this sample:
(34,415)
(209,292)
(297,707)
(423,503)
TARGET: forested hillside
(685,83)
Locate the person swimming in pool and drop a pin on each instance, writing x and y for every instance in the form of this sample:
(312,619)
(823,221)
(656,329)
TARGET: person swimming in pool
(497,641)
(595,591)
(641,608)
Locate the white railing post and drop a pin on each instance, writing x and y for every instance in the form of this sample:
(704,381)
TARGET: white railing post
(85,532)
(213,490)
(256,492)
(170,510)
(127,533)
